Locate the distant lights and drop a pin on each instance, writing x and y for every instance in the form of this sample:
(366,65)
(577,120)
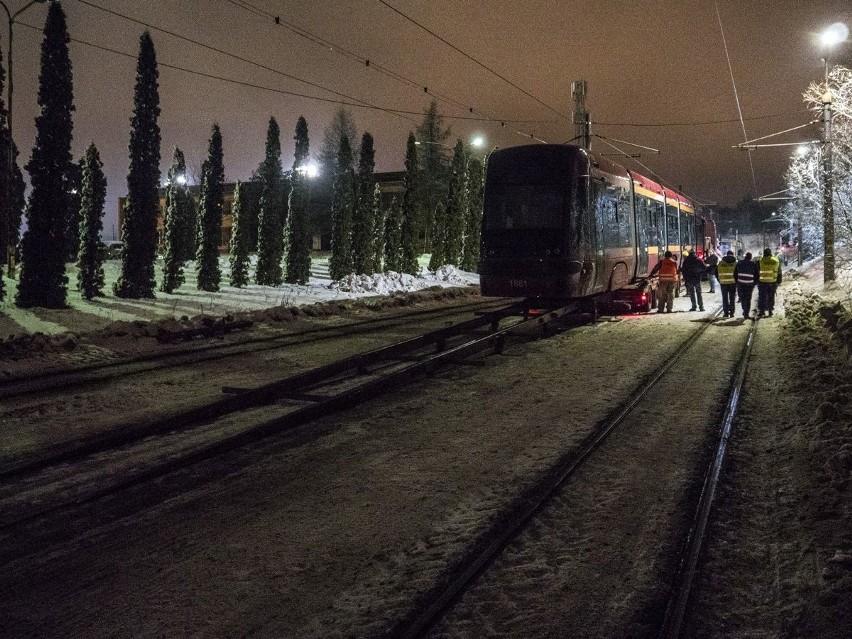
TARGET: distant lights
(308,170)
(478,142)
(180,179)
(802,150)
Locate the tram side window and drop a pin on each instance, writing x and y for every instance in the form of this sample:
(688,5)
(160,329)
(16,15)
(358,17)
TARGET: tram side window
(648,215)
(613,220)
(671,226)
(624,216)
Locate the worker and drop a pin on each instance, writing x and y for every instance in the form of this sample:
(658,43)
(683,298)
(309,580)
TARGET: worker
(769,279)
(727,283)
(712,261)
(745,274)
(667,270)
(693,270)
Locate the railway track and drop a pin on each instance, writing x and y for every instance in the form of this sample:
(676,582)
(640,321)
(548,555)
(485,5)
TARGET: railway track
(461,581)
(130,454)
(77,376)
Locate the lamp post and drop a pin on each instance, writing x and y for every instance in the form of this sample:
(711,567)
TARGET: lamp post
(833,35)
(7,227)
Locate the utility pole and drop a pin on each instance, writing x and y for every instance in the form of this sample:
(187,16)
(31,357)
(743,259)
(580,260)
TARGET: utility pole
(580,117)
(827,186)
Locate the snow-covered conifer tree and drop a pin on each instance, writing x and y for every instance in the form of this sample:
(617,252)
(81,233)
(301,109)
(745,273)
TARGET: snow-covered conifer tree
(210,215)
(363,214)
(298,233)
(408,224)
(473,217)
(270,233)
(340,262)
(139,230)
(239,241)
(179,224)
(90,270)
(43,281)
(393,236)
(377,243)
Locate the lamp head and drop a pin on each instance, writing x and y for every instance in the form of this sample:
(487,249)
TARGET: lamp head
(834,35)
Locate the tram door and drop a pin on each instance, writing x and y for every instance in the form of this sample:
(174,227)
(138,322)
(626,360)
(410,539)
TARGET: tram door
(673,231)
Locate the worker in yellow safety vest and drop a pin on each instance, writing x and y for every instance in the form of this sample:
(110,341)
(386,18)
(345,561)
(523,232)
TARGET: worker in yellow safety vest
(667,271)
(769,279)
(725,269)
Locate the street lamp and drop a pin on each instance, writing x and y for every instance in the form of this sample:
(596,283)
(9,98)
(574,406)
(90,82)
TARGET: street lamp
(10,249)
(832,36)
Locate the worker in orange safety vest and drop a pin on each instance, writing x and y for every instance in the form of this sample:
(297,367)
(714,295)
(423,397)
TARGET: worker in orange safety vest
(667,271)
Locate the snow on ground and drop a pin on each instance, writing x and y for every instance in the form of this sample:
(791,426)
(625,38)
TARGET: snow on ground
(85,315)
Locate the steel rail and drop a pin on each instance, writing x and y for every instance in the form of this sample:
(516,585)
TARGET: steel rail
(317,407)
(676,608)
(136,364)
(508,526)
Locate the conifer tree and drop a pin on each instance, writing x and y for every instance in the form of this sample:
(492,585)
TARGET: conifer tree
(439,238)
(454,217)
(473,222)
(363,214)
(393,236)
(74,188)
(432,166)
(377,242)
(298,234)
(90,270)
(340,262)
(178,225)
(408,223)
(139,230)
(239,241)
(270,233)
(43,281)
(210,207)
(10,212)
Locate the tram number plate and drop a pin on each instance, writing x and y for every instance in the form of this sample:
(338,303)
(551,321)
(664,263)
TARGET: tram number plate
(518,283)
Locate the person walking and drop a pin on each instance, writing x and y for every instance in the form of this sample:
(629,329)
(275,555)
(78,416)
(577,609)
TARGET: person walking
(667,270)
(769,279)
(727,283)
(745,274)
(692,269)
(712,262)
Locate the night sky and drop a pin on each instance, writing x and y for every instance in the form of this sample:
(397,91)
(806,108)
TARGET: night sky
(657,74)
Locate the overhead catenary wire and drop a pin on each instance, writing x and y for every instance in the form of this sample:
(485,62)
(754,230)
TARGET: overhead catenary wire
(736,93)
(475,61)
(380,68)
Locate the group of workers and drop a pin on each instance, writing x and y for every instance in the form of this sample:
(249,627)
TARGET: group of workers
(737,278)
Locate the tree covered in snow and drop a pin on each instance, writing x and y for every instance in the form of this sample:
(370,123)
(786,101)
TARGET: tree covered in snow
(377,243)
(90,271)
(804,175)
(298,234)
(449,228)
(433,168)
(473,215)
(343,203)
(393,237)
(10,213)
(139,229)
(210,205)
(179,225)
(43,281)
(409,218)
(363,215)
(74,187)
(270,233)
(342,124)
(239,241)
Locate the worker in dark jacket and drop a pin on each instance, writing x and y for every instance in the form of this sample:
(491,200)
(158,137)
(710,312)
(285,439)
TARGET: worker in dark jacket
(692,270)
(727,283)
(768,280)
(712,261)
(745,273)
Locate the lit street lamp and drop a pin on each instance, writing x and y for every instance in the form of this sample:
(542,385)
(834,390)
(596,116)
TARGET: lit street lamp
(10,249)
(832,36)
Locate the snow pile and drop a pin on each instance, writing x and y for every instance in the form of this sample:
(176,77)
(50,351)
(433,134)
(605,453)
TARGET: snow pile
(393,282)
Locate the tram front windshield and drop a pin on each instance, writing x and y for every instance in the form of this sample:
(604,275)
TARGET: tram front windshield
(527,188)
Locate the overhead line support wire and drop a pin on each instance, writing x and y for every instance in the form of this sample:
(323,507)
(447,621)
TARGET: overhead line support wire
(367,62)
(474,60)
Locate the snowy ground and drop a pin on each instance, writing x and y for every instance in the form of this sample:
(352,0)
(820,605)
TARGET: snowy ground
(187,301)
